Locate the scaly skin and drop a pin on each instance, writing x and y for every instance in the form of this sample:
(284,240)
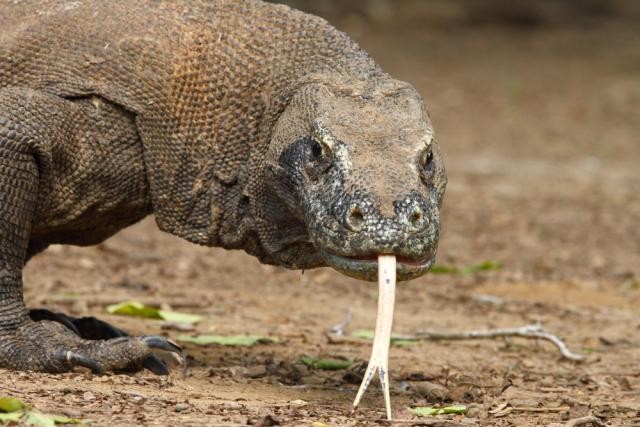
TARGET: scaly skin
(238,124)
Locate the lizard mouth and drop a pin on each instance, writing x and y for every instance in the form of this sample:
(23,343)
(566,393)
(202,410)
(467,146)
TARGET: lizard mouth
(365,267)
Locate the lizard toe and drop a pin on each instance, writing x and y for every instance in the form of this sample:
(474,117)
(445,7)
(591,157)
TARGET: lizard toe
(73,359)
(155,365)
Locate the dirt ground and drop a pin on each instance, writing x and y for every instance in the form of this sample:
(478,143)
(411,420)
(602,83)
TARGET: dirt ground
(541,132)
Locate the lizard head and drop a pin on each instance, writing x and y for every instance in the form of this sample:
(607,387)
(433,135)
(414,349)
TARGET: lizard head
(358,171)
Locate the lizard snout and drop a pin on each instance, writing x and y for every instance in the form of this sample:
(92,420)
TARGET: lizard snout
(362,214)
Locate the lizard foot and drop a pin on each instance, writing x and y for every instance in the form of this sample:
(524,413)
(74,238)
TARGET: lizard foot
(90,328)
(60,346)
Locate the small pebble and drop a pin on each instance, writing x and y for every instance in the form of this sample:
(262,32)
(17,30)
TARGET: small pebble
(234,406)
(180,407)
(138,399)
(475,411)
(256,372)
(431,391)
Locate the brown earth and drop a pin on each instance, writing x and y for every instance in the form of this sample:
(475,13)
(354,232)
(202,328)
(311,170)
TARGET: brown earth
(542,138)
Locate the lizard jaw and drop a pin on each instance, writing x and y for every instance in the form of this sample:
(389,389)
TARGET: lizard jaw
(365,267)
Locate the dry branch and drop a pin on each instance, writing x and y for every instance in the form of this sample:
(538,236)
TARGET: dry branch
(528,331)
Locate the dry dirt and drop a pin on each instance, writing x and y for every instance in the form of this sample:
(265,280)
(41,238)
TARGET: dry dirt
(542,140)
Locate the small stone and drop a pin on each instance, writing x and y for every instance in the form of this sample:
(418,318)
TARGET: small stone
(88,396)
(256,371)
(475,411)
(431,391)
(267,421)
(181,407)
(298,403)
(234,406)
(86,263)
(138,399)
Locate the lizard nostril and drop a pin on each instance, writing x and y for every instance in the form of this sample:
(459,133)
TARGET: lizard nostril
(355,218)
(416,218)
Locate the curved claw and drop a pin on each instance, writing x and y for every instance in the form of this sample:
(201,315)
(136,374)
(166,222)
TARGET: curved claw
(162,343)
(76,359)
(155,365)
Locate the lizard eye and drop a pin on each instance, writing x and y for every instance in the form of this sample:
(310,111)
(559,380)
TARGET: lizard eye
(316,150)
(427,164)
(319,159)
(427,158)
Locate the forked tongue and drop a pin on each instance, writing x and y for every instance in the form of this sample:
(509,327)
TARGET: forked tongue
(379,360)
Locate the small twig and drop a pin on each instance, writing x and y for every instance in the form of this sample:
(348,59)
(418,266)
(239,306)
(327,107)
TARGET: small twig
(528,331)
(536,409)
(338,329)
(589,419)
(12,390)
(553,389)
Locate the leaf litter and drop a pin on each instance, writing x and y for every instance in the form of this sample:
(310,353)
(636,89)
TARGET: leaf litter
(137,309)
(14,410)
(489,265)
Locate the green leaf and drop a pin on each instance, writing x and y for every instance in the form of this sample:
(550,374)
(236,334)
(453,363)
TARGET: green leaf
(455,409)
(483,266)
(364,334)
(134,308)
(235,340)
(137,309)
(36,418)
(10,417)
(15,410)
(61,419)
(467,271)
(11,404)
(444,269)
(177,317)
(425,411)
(326,364)
(369,334)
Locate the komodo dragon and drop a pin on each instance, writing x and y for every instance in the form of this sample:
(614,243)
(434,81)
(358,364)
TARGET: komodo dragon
(238,124)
